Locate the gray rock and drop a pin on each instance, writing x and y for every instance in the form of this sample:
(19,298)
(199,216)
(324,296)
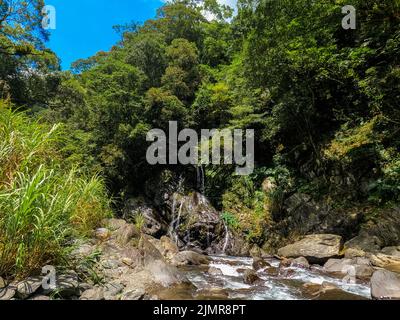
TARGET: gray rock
(316,248)
(96,293)
(364,242)
(358,268)
(385,285)
(134,294)
(215,271)
(40,297)
(102,234)
(250,277)
(28,287)
(392,251)
(300,262)
(8,293)
(259,264)
(110,264)
(68,284)
(125,234)
(113,290)
(154,224)
(189,258)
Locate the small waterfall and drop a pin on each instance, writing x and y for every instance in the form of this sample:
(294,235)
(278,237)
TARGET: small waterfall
(200,179)
(176,220)
(226,238)
(171,229)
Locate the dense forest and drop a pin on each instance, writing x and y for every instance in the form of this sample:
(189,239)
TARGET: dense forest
(323,101)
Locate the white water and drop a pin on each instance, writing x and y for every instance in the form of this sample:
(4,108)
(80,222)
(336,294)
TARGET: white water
(272,287)
(226,238)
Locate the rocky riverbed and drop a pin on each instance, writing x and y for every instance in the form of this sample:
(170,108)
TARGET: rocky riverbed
(120,263)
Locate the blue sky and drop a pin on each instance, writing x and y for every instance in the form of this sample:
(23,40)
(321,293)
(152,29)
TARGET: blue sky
(84,27)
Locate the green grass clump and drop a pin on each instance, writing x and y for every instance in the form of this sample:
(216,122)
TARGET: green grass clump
(44,203)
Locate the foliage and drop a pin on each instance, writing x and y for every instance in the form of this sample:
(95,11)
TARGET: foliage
(42,203)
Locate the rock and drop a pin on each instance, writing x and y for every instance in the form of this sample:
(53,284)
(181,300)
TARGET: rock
(181,291)
(300,263)
(113,290)
(8,292)
(351,253)
(199,224)
(110,264)
(190,258)
(212,294)
(168,247)
(215,271)
(385,285)
(134,294)
(28,287)
(125,234)
(148,251)
(102,234)
(127,261)
(391,251)
(259,263)
(40,297)
(327,291)
(317,248)
(68,284)
(352,267)
(114,224)
(272,271)
(256,252)
(395,267)
(154,224)
(364,242)
(285,263)
(82,251)
(237,246)
(383,260)
(95,293)
(2,283)
(250,277)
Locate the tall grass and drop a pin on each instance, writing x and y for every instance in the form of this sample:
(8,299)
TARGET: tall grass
(43,202)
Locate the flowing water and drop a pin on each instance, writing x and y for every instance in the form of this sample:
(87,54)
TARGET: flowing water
(288,285)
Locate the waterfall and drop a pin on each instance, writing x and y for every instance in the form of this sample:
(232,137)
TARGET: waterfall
(226,238)
(178,222)
(200,179)
(171,229)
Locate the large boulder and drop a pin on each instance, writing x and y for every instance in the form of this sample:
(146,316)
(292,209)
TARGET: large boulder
(383,260)
(316,248)
(190,258)
(327,291)
(357,268)
(194,221)
(28,287)
(154,224)
(391,251)
(385,285)
(364,242)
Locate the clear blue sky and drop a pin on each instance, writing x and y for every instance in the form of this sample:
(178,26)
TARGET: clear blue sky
(84,27)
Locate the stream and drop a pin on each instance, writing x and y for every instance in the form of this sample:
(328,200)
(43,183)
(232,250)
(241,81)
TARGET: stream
(287,285)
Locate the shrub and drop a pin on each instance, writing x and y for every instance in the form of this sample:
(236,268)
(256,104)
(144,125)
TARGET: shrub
(43,203)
